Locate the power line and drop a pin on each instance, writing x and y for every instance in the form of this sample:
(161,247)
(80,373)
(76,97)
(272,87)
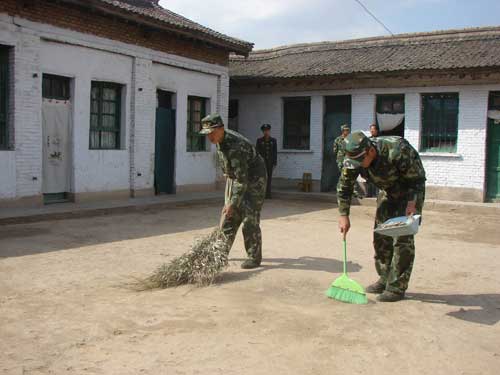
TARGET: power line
(374,17)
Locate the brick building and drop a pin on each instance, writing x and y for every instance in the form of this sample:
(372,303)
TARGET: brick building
(102,99)
(440,90)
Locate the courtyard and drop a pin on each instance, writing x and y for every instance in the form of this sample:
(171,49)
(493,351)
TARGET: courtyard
(65,307)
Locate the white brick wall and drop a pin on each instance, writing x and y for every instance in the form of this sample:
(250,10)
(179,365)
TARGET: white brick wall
(84,58)
(465,169)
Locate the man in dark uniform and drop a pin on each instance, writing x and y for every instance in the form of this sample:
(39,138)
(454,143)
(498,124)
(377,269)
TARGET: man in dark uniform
(246,176)
(394,167)
(267,148)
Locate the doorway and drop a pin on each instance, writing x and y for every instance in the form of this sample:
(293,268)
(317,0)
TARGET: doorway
(493,148)
(164,143)
(56,144)
(337,113)
(390,114)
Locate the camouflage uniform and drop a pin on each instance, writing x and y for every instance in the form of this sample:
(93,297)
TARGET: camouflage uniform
(339,151)
(399,174)
(268,149)
(245,191)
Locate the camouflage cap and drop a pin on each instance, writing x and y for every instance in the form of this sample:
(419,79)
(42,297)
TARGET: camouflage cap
(211,122)
(345,127)
(265,127)
(356,146)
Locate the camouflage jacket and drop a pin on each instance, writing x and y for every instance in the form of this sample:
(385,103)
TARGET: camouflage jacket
(339,150)
(397,170)
(240,162)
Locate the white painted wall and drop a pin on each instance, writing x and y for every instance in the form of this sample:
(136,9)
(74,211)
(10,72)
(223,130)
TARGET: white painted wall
(85,58)
(191,168)
(7,174)
(465,169)
(94,170)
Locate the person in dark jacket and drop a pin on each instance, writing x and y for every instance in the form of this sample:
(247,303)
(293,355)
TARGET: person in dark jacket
(267,148)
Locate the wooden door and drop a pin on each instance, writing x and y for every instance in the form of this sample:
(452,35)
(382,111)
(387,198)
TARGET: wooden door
(165,151)
(337,113)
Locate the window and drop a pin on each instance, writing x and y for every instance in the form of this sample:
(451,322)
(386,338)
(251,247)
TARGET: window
(196,110)
(296,126)
(4,97)
(388,105)
(55,87)
(105,116)
(439,122)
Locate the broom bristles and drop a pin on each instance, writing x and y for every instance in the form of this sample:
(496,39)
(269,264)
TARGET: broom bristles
(345,295)
(200,266)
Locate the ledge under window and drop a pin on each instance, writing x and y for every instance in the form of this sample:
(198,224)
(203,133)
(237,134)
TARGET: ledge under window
(450,155)
(295,152)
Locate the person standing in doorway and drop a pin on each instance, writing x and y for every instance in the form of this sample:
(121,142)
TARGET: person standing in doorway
(374,131)
(267,147)
(339,145)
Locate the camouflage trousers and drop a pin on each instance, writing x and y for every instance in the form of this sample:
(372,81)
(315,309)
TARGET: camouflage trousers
(247,215)
(393,257)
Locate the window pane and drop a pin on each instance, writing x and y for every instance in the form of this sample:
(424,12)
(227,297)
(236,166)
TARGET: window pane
(108,140)
(439,122)
(297,113)
(105,115)
(196,111)
(109,93)
(94,139)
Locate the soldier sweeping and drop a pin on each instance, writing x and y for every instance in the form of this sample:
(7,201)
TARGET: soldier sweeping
(246,175)
(268,149)
(394,166)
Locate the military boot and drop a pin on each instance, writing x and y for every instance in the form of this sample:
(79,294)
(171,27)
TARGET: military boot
(390,296)
(250,263)
(377,287)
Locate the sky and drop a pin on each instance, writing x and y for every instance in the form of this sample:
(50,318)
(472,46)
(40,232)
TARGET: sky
(273,23)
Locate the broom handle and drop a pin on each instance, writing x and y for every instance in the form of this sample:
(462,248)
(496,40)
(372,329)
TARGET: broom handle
(344,245)
(227,195)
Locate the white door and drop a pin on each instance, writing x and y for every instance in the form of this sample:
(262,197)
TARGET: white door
(56,122)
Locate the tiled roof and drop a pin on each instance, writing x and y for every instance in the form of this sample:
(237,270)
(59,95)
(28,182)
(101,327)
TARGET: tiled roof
(150,9)
(452,49)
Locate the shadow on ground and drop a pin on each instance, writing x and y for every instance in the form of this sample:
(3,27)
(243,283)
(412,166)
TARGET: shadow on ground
(485,308)
(36,238)
(297,264)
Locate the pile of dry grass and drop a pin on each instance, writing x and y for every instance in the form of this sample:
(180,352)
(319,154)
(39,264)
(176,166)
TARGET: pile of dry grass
(200,266)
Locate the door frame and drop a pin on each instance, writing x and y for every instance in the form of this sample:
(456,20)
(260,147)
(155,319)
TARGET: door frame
(70,169)
(490,106)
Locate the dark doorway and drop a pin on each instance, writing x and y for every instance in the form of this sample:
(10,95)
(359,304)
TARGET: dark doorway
(337,113)
(164,144)
(233,114)
(493,149)
(390,106)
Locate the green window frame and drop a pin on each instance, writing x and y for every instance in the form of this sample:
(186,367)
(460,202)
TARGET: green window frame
(105,116)
(439,131)
(196,110)
(296,123)
(4,97)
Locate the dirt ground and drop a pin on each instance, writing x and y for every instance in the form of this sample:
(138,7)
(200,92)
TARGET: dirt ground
(63,310)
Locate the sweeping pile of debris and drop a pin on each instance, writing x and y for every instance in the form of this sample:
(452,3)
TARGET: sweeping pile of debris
(200,266)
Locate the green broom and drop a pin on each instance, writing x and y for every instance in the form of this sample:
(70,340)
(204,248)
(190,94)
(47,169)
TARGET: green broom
(345,289)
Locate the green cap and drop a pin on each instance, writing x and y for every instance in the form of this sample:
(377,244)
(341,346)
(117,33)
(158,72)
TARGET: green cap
(345,127)
(356,146)
(211,122)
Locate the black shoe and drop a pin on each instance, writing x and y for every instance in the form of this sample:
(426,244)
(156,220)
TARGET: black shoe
(249,264)
(375,288)
(390,296)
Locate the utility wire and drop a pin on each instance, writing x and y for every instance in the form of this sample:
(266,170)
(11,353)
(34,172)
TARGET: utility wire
(374,17)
